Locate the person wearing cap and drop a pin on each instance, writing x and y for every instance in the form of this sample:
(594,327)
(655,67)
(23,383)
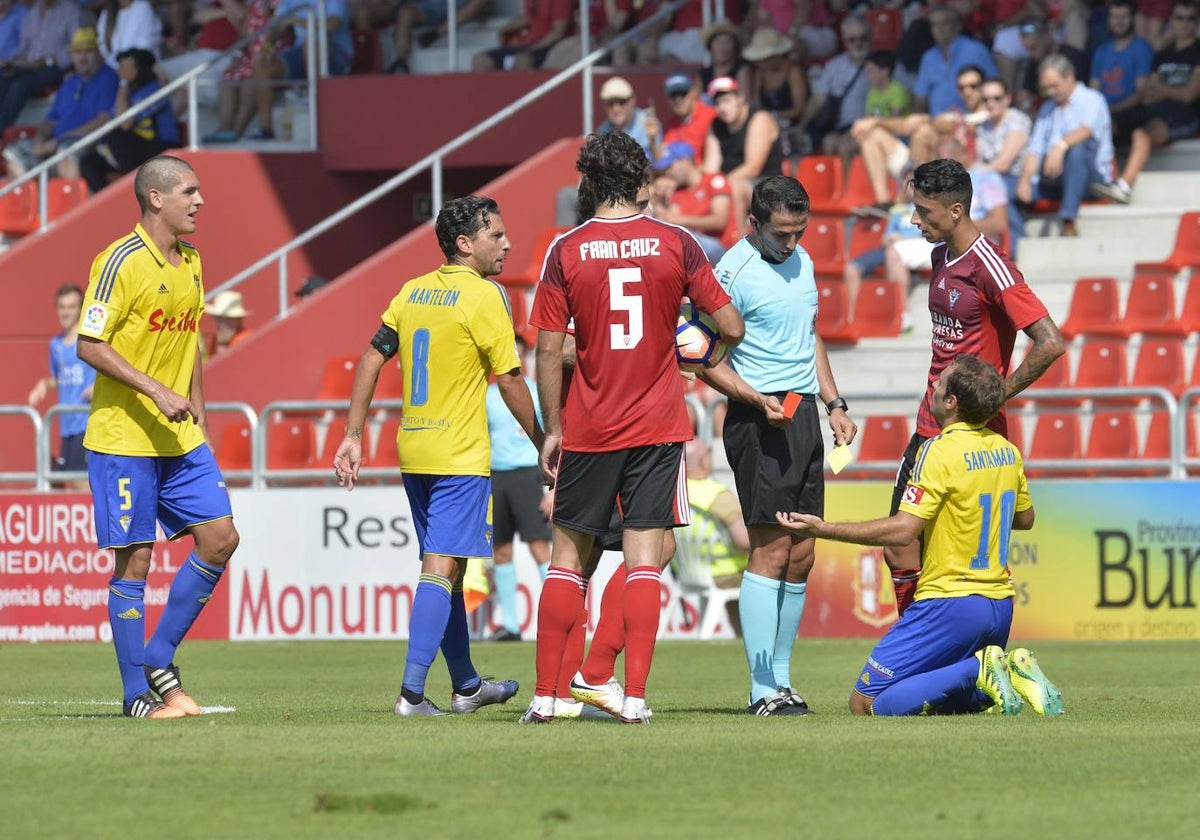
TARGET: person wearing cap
(43,55)
(528,37)
(778,85)
(623,114)
(694,115)
(83,103)
(724,43)
(230,313)
(701,201)
(743,143)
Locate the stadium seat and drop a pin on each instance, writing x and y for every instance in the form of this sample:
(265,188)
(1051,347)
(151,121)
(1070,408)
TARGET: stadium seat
(887,27)
(1058,375)
(235,449)
(1160,363)
(291,445)
(1189,311)
(337,380)
(532,273)
(833,313)
(19,210)
(63,195)
(1102,364)
(1185,254)
(1095,308)
(335,433)
(879,309)
(1055,438)
(1158,440)
(1016,430)
(368,52)
(825,242)
(822,178)
(390,385)
(865,235)
(1150,304)
(857,190)
(1113,436)
(386,453)
(882,438)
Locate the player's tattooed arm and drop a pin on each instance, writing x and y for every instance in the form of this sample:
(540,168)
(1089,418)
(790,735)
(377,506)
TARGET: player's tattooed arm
(1047,346)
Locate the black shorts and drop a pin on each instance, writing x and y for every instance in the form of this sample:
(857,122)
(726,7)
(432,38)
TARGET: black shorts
(516,495)
(72,457)
(1180,118)
(904,473)
(649,483)
(776,469)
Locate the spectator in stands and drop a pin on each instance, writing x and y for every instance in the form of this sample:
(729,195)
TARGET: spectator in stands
(700,201)
(694,116)
(687,38)
(220,25)
(236,100)
(1153,20)
(743,143)
(642,49)
(778,85)
(140,137)
(125,25)
(887,97)
(840,94)
(291,62)
(12,12)
(1071,147)
(410,14)
(807,23)
(528,37)
(73,380)
(717,521)
(724,43)
(1168,103)
(1039,42)
(1000,140)
(623,114)
(901,251)
(82,104)
(230,314)
(606,20)
(43,57)
(934,90)
(1120,66)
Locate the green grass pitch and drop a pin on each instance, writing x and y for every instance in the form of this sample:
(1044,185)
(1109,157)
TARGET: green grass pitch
(310,749)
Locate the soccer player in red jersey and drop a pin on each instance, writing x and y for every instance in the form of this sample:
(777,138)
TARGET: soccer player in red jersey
(978,300)
(620,277)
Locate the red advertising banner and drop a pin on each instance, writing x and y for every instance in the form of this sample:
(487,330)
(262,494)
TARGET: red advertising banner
(54,581)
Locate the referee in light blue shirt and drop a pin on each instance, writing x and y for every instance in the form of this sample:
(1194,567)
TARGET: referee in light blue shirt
(516,501)
(777,457)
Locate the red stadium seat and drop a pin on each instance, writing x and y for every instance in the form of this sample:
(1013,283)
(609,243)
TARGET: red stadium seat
(825,242)
(833,313)
(1095,308)
(235,449)
(1160,363)
(1189,312)
(335,433)
(368,52)
(390,385)
(857,190)
(822,178)
(1058,375)
(1016,431)
(1150,305)
(532,273)
(1102,364)
(887,27)
(19,210)
(63,195)
(337,380)
(1185,254)
(291,445)
(1056,437)
(879,310)
(882,438)
(386,453)
(865,235)
(1113,436)
(1158,439)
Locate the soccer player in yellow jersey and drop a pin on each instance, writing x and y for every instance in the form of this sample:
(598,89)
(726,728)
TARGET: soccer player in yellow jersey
(452,329)
(967,493)
(149,459)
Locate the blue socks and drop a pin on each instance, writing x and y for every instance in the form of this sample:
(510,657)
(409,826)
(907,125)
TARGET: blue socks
(791,610)
(456,646)
(190,591)
(430,615)
(505,578)
(758,605)
(127,615)
(925,693)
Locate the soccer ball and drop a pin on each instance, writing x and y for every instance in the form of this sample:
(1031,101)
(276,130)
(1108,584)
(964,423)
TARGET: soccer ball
(697,340)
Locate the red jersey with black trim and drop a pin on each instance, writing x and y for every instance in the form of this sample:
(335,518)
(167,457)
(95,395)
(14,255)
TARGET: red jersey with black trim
(697,201)
(978,303)
(621,282)
(693,130)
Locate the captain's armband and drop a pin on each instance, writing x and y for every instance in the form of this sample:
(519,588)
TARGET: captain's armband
(386,341)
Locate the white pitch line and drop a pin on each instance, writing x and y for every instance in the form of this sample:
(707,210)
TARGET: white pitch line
(204,710)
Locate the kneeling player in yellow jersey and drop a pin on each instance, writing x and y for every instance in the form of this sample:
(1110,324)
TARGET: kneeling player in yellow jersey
(966,493)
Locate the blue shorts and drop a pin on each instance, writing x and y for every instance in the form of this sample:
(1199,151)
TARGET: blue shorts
(452,514)
(131,493)
(932,634)
(295,61)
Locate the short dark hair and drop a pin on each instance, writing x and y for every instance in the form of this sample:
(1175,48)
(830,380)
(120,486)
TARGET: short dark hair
(971,68)
(162,173)
(1127,4)
(945,181)
(778,193)
(464,216)
(614,168)
(68,289)
(977,386)
(996,80)
(144,60)
(883,59)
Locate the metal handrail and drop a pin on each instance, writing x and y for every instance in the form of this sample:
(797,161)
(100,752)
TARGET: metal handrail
(190,79)
(433,162)
(37,477)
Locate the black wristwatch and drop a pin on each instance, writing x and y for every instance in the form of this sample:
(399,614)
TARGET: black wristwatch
(836,403)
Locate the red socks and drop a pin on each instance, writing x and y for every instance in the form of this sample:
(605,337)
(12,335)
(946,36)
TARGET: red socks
(609,639)
(559,611)
(904,581)
(642,606)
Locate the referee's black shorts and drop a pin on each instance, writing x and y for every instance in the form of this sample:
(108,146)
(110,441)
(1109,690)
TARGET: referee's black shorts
(776,469)
(516,500)
(649,483)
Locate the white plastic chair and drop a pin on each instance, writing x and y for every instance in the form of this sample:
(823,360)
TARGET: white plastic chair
(693,553)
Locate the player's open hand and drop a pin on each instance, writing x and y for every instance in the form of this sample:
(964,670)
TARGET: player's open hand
(346,462)
(548,461)
(804,524)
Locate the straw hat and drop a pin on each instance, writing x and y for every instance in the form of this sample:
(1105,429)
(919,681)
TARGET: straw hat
(767,42)
(228,304)
(722,26)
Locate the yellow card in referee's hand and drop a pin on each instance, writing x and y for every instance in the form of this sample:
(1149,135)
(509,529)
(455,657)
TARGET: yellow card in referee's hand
(838,458)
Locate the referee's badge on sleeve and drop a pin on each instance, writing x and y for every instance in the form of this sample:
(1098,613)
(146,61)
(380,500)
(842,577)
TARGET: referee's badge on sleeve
(913,495)
(95,318)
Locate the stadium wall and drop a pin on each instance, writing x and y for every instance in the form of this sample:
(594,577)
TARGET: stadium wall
(1107,560)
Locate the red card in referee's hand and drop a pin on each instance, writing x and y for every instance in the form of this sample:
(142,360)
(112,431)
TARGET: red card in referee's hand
(790,403)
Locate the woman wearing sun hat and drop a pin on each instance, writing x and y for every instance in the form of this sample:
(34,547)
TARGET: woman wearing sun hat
(724,42)
(778,85)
